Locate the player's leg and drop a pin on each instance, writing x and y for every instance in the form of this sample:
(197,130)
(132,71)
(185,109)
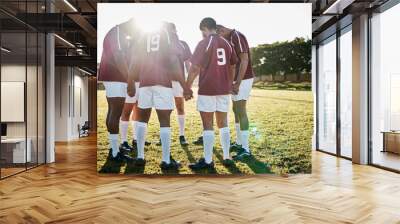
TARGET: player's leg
(115,105)
(144,105)
(124,124)
(222,123)
(180,108)
(241,108)
(206,105)
(164,104)
(115,94)
(238,143)
(134,117)
(244,124)
(141,132)
(164,117)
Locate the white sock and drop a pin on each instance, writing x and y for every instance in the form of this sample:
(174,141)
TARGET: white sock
(165,136)
(238,140)
(113,139)
(224,137)
(140,133)
(134,126)
(208,144)
(123,128)
(181,121)
(245,140)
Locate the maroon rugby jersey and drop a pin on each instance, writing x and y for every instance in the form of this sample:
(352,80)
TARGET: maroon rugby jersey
(154,53)
(185,54)
(117,41)
(180,49)
(214,55)
(240,44)
(186,51)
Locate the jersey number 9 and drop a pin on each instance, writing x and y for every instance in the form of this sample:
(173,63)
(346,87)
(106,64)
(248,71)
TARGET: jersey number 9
(221,56)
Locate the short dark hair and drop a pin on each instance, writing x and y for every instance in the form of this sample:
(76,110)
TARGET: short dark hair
(208,23)
(172,25)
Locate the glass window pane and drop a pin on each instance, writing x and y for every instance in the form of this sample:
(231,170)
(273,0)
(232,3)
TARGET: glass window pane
(346,94)
(386,89)
(327,96)
(31,97)
(41,98)
(13,85)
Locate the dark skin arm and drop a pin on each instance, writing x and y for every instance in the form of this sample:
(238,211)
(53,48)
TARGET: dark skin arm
(187,65)
(244,60)
(132,76)
(178,74)
(232,75)
(194,71)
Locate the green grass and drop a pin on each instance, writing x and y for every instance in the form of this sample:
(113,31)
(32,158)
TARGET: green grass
(280,126)
(283,85)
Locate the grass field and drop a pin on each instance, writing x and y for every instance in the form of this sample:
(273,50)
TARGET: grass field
(281,126)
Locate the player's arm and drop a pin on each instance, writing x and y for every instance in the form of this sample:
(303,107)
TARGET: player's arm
(132,76)
(134,71)
(244,61)
(187,65)
(194,71)
(232,70)
(177,73)
(188,55)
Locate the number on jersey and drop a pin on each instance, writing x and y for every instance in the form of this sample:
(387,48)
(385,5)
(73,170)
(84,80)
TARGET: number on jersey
(221,56)
(153,43)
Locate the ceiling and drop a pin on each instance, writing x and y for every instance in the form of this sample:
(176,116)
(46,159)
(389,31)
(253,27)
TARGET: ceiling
(75,22)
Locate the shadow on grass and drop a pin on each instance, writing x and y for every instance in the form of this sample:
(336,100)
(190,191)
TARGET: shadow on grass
(257,166)
(131,168)
(233,169)
(111,166)
(193,160)
(188,153)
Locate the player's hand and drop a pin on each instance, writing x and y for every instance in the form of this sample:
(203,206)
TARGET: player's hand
(188,93)
(235,88)
(131,89)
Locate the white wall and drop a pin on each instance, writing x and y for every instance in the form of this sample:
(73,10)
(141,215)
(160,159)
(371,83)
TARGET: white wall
(71,94)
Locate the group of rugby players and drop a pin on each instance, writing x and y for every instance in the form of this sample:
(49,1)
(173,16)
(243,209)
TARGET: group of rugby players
(145,70)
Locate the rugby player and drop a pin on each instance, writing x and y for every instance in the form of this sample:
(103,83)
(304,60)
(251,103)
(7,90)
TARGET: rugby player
(184,54)
(244,77)
(113,73)
(155,68)
(214,60)
(177,88)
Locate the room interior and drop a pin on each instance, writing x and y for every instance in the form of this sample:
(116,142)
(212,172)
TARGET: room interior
(356,158)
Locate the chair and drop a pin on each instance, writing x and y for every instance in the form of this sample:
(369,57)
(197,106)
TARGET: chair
(84,130)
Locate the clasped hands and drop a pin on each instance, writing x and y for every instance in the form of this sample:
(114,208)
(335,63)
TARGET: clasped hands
(187,92)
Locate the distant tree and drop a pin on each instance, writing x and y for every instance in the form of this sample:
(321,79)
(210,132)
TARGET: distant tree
(282,58)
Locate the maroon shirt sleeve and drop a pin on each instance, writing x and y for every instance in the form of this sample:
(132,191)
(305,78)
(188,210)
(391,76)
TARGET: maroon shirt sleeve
(240,43)
(187,54)
(199,53)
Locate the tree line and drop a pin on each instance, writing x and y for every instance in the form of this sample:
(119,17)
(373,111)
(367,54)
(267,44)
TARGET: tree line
(282,58)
